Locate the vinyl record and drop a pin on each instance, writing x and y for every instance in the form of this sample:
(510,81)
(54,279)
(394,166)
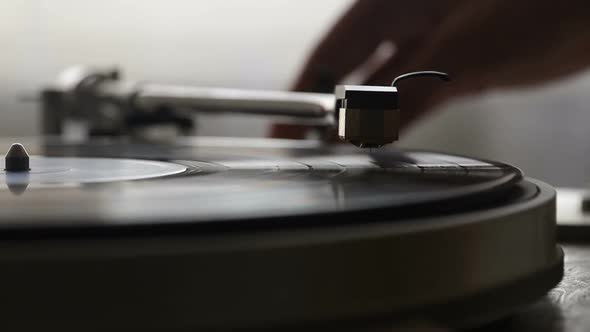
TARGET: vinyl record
(240,185)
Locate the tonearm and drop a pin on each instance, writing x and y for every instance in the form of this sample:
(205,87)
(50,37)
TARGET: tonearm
(100,103)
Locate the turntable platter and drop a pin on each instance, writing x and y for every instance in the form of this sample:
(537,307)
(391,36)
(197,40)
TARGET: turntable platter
(226,233)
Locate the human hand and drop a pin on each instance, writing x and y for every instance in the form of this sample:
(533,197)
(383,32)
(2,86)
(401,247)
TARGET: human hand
(482,44)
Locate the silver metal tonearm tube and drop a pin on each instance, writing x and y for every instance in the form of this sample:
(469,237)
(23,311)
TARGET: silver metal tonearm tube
(111,106)
(215,100)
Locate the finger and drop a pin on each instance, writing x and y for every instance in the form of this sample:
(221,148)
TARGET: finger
(416,96)
(290,131)
(364,27)
(398,64)
(422,52)
(347,45)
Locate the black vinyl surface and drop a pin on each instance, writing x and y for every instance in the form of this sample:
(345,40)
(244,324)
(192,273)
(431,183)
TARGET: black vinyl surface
(244,184)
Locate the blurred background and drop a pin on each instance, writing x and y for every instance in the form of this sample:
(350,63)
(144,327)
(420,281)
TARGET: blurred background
(262,44)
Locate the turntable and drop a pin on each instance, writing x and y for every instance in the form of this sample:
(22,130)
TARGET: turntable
(106,231)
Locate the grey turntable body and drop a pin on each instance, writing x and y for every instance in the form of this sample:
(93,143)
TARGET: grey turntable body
(115,268)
